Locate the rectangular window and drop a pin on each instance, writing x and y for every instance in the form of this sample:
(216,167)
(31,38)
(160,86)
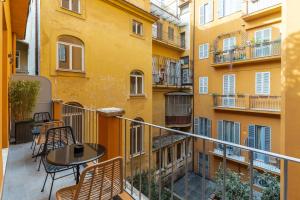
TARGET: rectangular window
(136,142)
(170,33)
(203,85)
(229,131)
(202,126)
(179,151)
(227,7)
(206,13)
(259,137)
(72,5)
(18,59)
(203,51)
(262,83)
(229,43)
(137,27)
(262,43)
(70,56)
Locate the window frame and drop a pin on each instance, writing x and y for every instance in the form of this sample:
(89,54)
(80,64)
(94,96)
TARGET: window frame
(203,85)
(170,33)
(70,8)
(135,29)
(263,84)
(134,152)
(202,53)
(136,76)
(70,56)
(18,57)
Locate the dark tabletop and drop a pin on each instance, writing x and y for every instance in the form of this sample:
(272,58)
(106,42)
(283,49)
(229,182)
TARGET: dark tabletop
(66,157)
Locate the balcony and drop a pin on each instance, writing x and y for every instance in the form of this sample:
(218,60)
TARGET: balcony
(170,73)
(152,172)
(245,103)
(260,8)
(173,41)
(253,53)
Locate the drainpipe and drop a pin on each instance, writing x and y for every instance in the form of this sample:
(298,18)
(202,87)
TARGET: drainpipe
(36,39)
(193,68)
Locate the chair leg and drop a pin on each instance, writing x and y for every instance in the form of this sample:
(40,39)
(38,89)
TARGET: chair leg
(32,142)
(34,148)
(40,165)
(51,186)
(44,183)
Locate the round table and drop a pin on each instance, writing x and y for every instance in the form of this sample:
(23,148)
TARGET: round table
(66,157)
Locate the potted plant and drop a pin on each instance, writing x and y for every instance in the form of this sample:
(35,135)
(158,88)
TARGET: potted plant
(22,97)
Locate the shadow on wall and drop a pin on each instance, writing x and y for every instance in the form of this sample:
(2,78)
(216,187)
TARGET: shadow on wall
(291,113)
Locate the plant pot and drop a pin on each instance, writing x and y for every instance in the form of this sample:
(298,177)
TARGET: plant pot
(21,132)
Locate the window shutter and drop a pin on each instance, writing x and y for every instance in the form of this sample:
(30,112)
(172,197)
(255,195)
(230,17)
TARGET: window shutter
(267,131)
(237,132)
(221,8)
(259,83)
(205,84)
(208,128)
(211,10)
(220,130)
(196,125)
(202,17)
(266,83)
(225,84)
(206,50)
(251,136)
(231,84)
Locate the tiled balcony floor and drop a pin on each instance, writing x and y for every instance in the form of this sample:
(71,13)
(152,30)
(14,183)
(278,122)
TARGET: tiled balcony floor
(22,181)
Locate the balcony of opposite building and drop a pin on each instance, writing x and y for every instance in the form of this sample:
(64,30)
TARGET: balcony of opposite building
(255,52)
(256,9)
(248,103)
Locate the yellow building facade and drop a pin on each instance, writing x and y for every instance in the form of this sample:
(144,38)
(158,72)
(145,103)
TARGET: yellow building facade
(237,76)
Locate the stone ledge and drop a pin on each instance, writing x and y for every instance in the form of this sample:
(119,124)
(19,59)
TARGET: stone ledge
(111,112)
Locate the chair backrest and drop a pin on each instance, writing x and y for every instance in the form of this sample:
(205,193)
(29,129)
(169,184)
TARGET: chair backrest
(101,181)
(41,117)
(58,137)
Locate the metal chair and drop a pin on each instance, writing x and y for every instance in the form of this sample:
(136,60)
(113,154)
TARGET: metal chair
(56,138)
(100,181)
(38,118)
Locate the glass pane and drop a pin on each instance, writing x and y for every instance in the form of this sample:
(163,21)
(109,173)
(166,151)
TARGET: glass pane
(132,85)
(65,4)
(140,85)
(139,139)
(75,6)
(134,27)
(64,60)
(77,58)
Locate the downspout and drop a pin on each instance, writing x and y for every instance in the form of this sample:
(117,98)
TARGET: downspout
(193,68)
(36,39)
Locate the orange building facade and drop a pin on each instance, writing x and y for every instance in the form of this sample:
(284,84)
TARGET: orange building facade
(237,74)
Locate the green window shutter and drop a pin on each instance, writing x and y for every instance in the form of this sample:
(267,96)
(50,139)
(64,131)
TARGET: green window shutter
(208,128)
(267,131)
(237,133)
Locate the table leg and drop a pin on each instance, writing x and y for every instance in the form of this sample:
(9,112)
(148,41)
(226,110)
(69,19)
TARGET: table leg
(77,174)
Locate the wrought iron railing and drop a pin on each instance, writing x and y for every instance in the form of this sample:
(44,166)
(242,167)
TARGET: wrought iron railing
(83,121)
(170,39)
(252,102)
(149,176)
(249,52)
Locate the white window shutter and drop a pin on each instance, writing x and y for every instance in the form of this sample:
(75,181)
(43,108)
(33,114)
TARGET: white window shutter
(202,15)
(231,84)
(266,83)
(201,51)
(225,84)
(259,83)
(206,50)
(221,8)
(205,84)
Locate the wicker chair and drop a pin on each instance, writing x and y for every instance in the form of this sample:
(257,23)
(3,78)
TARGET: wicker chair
(101,181)
(56,138)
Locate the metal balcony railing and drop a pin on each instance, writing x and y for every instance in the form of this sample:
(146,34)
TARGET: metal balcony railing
(249,52)
(83,121)
(168,38)
(257,5)
(245,102)
(162,173)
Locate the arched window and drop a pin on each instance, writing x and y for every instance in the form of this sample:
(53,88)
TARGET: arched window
(72,5)
(136,137)
(70,53)
(136,83)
